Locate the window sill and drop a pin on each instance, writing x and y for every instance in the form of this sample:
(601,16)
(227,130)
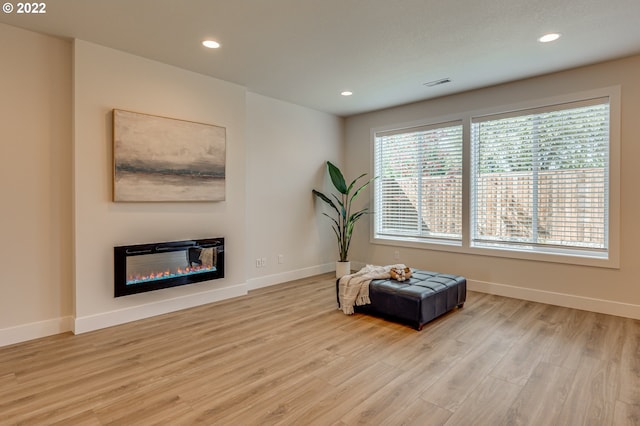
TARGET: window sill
(599,260)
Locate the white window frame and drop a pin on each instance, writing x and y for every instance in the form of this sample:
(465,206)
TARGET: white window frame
(609,259)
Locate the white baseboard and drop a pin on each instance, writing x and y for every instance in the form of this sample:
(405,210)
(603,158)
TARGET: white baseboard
(23,333)
(602,306)
(268,280)
(121,316)
(35,330)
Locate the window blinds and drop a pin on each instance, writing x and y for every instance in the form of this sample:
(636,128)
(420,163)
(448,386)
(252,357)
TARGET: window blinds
(418,192)
(541,177)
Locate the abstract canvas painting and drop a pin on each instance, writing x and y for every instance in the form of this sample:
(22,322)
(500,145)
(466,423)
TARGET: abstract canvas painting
(166,159)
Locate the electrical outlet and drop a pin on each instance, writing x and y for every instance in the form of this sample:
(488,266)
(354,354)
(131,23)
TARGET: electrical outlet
(258,263)
(263,262)
(281,259)
(396,254)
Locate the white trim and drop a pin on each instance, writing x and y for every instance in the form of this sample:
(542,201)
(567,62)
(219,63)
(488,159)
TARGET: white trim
(602,306)
(35,330)
(269,280)
(121,316)
(23,333)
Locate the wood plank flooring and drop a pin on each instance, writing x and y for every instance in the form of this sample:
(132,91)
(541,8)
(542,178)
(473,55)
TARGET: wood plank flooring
(286,355)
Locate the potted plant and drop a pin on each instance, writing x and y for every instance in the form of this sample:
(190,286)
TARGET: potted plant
(345,219)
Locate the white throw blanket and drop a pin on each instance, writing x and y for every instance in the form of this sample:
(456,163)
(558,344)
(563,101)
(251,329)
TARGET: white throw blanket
(353,289)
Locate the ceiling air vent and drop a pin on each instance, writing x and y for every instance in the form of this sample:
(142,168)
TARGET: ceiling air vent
(437,82)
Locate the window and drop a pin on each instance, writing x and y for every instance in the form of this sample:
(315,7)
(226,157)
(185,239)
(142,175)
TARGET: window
(537,182)
(540,177)
(419,185)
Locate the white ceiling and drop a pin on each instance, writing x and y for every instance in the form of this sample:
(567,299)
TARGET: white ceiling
(308,51)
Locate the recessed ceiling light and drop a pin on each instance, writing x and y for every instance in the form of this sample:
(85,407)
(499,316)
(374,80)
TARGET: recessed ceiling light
(211,44)
(549,37)
(346,93)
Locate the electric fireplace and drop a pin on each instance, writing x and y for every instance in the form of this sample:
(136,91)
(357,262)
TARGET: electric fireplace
(147,267)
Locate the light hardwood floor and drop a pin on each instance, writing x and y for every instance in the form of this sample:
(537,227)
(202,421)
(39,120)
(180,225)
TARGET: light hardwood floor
(286,355)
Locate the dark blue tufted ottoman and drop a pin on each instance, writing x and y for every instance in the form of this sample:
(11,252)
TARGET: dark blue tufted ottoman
(416,301)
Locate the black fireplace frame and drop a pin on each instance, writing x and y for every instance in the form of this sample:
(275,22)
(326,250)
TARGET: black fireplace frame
(121,253)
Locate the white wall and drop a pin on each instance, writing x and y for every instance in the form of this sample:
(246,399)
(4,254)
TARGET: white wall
(57,99)
(35,185)
(287,149)
(105,79)
(613,291)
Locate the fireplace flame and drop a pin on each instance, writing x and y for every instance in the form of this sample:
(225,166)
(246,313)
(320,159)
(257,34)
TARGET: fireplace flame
(161,275)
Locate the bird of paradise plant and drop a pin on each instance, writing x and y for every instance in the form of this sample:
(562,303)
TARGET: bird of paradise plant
(345,219)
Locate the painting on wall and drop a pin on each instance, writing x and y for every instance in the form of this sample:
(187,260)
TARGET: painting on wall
(165,159)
